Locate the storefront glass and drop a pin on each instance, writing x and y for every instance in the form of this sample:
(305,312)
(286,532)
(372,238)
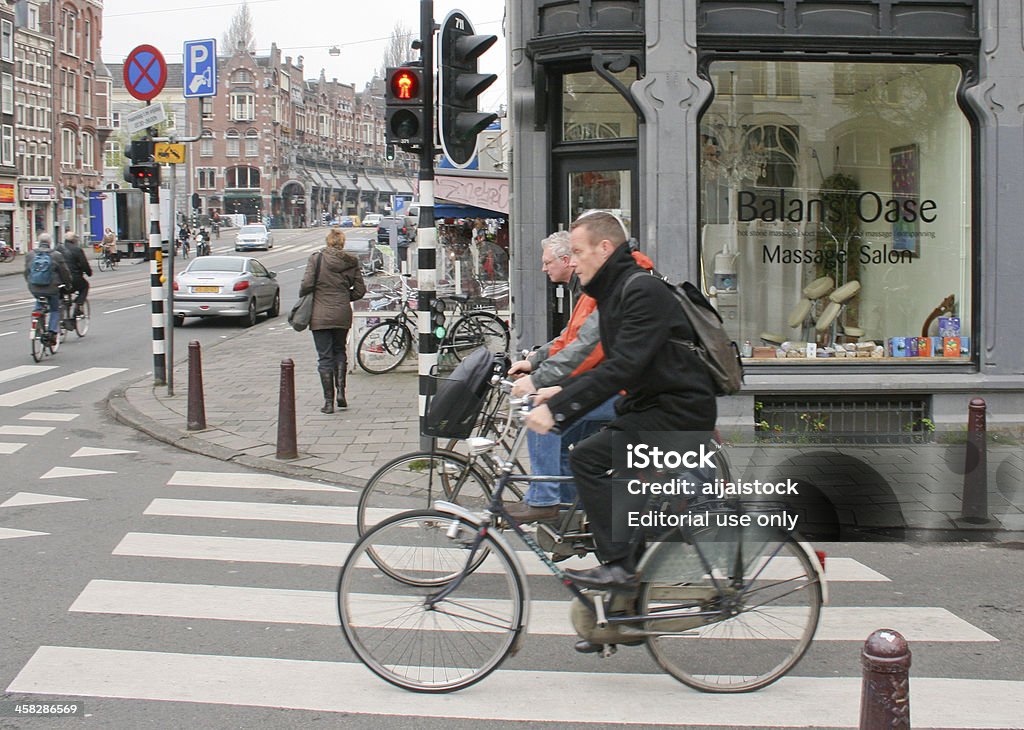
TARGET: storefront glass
(836,211)
(593,110)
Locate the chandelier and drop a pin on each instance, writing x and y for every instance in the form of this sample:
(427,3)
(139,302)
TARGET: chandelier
(730,151)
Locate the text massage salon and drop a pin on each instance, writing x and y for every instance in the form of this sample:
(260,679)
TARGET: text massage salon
(826,170)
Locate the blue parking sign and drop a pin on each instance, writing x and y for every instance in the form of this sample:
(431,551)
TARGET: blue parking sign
(201,68)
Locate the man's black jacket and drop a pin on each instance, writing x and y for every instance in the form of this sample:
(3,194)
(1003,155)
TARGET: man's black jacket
(655,373)
(77,261)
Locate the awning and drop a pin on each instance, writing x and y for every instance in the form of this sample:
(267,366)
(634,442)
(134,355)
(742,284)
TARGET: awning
(316,177)
(332,179)
(363,183)
(448,210)
(236,194)
(400,185)
(381,184)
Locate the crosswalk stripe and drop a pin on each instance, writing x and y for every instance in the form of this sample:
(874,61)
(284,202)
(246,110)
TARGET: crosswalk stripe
(61,472)
(312,513)
(313,685)
(25,430)
(241,480)
(95,451)
(8,533)
(20,371)
(24,499)
(235,603)
(50,387)
(7,447)
(55,417)
(332,554)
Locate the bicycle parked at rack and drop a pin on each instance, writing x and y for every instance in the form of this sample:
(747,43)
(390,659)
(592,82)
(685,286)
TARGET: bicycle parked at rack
(384,346)
(6,252)
(434,600)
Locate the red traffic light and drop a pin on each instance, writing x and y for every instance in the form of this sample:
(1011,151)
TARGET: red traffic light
(405,84)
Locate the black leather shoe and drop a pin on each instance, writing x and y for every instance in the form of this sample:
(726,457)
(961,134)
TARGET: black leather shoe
(612,576)
(585,647)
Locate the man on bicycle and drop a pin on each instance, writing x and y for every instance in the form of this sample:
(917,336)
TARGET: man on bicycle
(46,273)
(79,266)
(668,389)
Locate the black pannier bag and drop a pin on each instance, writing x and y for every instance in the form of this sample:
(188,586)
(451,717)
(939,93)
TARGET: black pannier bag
(453,408)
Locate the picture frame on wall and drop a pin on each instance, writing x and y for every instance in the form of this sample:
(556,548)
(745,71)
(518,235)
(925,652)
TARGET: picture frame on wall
(906,185)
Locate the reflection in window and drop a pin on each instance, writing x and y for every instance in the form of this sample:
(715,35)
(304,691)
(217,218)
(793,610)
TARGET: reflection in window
(607,190)
(593,109)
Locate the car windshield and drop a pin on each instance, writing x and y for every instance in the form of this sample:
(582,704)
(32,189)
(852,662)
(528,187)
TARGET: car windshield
(217,263)
(252,230)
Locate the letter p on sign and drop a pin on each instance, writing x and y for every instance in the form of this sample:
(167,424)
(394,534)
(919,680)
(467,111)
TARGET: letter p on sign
(200,68)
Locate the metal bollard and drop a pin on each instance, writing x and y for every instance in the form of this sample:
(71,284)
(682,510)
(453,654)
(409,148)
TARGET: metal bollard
(975,498)
(196,419)
(287,446)
(885,692)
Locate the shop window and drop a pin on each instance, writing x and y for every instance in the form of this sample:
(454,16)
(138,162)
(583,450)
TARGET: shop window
(835,212)
(608,190)
(592,108)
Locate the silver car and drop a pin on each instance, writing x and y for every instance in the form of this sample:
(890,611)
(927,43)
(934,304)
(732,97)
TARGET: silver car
(253,235)
(226,286)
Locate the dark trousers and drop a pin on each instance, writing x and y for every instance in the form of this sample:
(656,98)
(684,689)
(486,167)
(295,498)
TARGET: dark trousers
(80,287)
(330,349)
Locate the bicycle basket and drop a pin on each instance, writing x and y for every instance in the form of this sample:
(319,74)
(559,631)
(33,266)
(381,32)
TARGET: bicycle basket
(455,401)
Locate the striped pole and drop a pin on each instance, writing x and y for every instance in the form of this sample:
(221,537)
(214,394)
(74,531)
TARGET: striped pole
(426,233)
(156,294)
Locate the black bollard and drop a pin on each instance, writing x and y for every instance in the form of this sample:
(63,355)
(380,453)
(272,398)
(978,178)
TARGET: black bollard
(196,420)
(975,499)
(287,446)
(885,692)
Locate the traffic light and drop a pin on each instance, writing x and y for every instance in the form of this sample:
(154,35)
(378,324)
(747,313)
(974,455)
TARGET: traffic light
(405,107)
(389,152)
(144,174)
(437,319)
(458,119)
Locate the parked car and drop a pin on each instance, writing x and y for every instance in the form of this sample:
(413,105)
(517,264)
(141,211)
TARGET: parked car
(226,286)
(254,235)
(371,260)
(371,220)
(384,230)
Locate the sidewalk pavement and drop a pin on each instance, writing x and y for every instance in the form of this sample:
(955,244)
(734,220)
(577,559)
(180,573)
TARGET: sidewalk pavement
(241,383)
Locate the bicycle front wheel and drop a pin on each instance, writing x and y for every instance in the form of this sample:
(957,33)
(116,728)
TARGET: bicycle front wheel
(475,330)
(82,320)
(740,627)
(415,480)
(102,264)
(383,347)
(409,636)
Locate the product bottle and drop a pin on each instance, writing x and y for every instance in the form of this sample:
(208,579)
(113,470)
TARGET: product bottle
(748,349)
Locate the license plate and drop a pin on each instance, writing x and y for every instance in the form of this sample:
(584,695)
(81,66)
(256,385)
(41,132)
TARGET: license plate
(206,289)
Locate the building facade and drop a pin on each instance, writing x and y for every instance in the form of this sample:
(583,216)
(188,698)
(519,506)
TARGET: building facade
(833,174)
(8,182)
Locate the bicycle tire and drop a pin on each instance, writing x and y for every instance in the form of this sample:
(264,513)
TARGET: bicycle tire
(82,320)
(383,347)
(102,264)
(7,256)
(475,330)
(38,348)
(450,644)
(724,638)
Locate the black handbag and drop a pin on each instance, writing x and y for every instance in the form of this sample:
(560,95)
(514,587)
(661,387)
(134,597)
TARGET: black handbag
(302,312)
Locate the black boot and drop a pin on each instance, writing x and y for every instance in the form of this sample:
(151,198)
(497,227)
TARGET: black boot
(327,381)
(339,382)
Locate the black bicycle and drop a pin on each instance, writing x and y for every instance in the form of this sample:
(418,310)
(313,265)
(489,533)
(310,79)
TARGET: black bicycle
(44,342)
(107,261)
(434,600)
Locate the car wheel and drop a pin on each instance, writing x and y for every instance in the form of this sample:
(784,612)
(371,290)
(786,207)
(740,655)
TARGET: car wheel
(179,320)
(275,308)
(237,248)
(250,317)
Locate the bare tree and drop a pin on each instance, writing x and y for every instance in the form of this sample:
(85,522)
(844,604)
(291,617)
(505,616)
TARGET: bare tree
(399,48)
(239,34)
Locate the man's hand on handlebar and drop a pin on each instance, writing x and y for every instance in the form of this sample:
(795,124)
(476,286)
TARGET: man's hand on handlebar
(523,386)
(540,419)
(520,368)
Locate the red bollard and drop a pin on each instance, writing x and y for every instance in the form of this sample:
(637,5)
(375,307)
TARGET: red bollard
(196,420)
(885,692)
(974,507)
(287,446)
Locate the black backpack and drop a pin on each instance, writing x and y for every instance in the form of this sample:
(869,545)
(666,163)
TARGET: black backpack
(452,410)
(719,354)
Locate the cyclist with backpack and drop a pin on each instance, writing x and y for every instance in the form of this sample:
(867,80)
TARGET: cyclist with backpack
(79,266)
(46,273)
(668,389)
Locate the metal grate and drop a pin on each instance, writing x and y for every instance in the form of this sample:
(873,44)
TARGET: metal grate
(843,419)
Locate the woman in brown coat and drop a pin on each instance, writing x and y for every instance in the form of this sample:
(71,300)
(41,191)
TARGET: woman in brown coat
(339,283)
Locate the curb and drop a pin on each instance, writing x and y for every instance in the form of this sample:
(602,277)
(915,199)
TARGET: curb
(123,412)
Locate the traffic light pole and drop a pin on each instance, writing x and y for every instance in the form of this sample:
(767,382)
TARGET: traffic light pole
(426,235)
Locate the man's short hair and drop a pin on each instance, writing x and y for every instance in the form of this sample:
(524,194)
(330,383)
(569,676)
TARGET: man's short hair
(558,244)
(44,239)
(601,226)
(70,237)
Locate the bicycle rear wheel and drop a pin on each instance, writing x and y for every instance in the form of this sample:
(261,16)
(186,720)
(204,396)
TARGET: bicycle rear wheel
(82,319)
(383,347)
(405,636)
(475,330)
(745,628)
(38,347)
